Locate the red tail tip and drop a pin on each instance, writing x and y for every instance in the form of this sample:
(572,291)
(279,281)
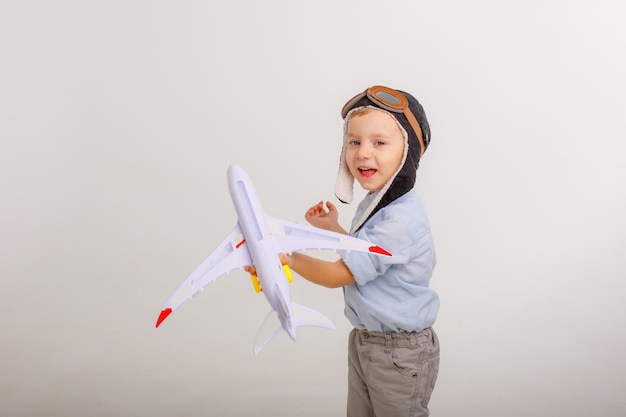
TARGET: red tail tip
(163,316)
(378,249)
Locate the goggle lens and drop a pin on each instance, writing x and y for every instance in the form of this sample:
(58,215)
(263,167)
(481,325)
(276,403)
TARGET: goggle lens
(387,98)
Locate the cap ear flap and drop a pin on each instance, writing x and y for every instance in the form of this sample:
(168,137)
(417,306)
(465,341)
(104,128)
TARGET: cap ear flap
(344,186)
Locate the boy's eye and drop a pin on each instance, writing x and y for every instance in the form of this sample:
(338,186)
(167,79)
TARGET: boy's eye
(354,143)
(380,143)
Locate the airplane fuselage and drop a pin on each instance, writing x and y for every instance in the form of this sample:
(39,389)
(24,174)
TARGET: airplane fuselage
(253,224)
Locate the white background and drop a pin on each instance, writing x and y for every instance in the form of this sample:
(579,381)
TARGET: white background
(118,122)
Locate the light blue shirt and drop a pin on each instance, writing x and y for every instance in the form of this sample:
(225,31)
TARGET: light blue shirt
(391,293)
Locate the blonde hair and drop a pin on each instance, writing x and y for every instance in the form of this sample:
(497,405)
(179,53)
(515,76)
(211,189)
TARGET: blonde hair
(361,111)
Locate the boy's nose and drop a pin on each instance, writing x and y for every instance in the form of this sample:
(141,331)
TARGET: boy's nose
(364,152)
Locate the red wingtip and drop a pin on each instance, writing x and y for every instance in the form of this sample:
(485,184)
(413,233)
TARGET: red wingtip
(163,316)
(378,249)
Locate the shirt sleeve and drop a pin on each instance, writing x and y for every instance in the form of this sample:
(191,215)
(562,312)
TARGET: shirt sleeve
(393,236)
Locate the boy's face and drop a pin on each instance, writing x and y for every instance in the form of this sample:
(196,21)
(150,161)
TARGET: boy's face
(375,148)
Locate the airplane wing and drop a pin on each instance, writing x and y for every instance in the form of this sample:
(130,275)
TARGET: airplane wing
(290,237)
(231,254)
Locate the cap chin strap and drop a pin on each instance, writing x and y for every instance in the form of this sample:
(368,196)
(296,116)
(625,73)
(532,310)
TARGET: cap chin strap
(416,127)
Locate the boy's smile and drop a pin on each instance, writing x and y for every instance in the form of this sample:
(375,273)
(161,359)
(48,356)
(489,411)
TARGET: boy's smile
(367,172)
(375,148)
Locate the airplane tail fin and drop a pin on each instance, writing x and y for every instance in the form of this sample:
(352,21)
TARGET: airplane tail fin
(303,316)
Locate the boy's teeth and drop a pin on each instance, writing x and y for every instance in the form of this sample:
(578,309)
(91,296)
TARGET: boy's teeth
(367,172)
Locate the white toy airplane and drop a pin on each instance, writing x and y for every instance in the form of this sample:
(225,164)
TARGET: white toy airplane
(257,239)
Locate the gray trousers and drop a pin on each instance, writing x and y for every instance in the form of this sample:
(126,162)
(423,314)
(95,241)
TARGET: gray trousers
(391,374)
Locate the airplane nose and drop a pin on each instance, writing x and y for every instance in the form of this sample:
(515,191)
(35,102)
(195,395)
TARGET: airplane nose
(234,169)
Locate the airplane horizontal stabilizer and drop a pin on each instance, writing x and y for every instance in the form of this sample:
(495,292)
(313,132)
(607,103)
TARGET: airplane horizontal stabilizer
(305,316)
(263,330)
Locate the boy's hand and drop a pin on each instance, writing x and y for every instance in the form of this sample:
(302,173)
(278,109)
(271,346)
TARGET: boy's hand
(319,217)
(284,258)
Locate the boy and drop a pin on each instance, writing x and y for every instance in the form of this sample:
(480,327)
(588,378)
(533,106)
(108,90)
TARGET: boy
(393,350)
